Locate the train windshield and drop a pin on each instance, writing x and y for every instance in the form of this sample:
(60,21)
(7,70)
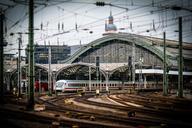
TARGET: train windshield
(59,84)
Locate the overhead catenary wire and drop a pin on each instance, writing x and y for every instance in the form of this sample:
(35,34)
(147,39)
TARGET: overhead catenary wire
(100,22)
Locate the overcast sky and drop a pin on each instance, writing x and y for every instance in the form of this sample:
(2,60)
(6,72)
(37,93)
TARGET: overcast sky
(57,20)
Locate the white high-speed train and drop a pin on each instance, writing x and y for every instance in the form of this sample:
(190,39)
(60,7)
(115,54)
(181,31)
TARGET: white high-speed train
(76,85)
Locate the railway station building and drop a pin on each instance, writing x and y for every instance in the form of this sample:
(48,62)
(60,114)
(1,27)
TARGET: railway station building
(119,57)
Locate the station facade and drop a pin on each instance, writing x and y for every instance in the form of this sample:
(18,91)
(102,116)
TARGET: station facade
(122,57)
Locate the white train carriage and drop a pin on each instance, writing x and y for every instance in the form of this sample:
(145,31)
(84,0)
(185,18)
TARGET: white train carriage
(78,85)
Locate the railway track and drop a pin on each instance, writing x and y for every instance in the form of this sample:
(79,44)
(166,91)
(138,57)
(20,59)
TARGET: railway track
(170,117)
(65,116)
(71,115)
(105,118)
(162,103)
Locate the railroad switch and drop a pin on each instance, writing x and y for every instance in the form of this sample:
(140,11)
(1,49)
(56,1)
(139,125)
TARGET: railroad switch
(131,114)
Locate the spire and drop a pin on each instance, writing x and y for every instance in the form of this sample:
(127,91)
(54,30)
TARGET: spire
(110,18)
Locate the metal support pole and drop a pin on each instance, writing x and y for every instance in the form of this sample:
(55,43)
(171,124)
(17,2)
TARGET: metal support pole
(54,81)
(97,69)
(107,81)
(1,57)
(27,80)
(130,68)
(145,81)
(180,62)
(39,81)
(8,80)
(89,78)
(165,86)
(49,72)
(30,105)
(133,62)
(140,72)
(19,64)
(100,80)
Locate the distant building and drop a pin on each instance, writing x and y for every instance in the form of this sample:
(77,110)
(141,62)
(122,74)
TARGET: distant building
(58,53)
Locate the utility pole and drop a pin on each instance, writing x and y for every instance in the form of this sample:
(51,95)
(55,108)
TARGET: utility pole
(1,57)
(165,86)
(30,105)
(19,64)
(180,61)
(133,63)
(49,71)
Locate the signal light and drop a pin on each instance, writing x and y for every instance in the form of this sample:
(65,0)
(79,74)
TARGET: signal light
(100,3)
